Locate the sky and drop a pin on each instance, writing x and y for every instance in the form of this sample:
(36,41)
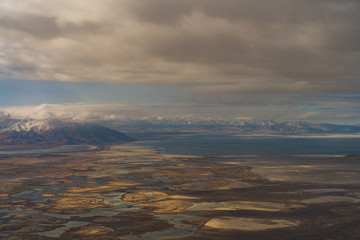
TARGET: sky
(89,60)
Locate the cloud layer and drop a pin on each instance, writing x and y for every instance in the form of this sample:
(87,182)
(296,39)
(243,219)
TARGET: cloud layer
(241,46)
(279,59)
(332,112)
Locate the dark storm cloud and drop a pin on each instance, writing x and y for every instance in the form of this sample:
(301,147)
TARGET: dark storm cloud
(46,27)
(255,11)
(224,49)
(316,42)
(34,25)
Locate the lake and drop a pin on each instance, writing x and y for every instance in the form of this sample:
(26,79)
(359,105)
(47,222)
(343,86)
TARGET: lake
(215,145)
(315,160)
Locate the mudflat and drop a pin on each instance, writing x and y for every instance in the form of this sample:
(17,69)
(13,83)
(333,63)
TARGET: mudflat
(133,192)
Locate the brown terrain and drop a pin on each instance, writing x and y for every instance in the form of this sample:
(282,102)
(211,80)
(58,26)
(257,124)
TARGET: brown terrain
(129,192)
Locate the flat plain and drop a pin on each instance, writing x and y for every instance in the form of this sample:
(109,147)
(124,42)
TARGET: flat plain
(134,192)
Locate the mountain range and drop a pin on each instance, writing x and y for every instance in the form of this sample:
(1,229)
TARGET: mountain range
(234,126)
(55,132)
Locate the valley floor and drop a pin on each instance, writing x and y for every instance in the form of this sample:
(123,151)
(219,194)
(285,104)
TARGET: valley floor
(132,192)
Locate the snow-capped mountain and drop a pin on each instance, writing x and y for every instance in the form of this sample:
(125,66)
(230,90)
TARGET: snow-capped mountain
(54,132)
(35,125)
(31,125)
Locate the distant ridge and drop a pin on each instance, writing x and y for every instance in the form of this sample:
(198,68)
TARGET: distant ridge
(235,126)
(55,132)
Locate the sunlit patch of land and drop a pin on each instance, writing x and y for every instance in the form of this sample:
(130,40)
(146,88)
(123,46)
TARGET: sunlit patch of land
(145,196)
(71,205)
(92,231)
(168,206)
(241,205)
(182,197)
(130,192)
(249,224)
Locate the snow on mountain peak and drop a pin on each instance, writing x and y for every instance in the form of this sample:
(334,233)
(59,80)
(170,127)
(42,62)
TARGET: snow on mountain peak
(31,125)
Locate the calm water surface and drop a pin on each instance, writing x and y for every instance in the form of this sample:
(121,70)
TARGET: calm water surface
(315,160)
(214,145)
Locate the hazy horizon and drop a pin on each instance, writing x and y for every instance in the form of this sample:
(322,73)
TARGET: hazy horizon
(282,60)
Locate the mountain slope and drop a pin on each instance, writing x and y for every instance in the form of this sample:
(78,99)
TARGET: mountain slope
(43,132)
